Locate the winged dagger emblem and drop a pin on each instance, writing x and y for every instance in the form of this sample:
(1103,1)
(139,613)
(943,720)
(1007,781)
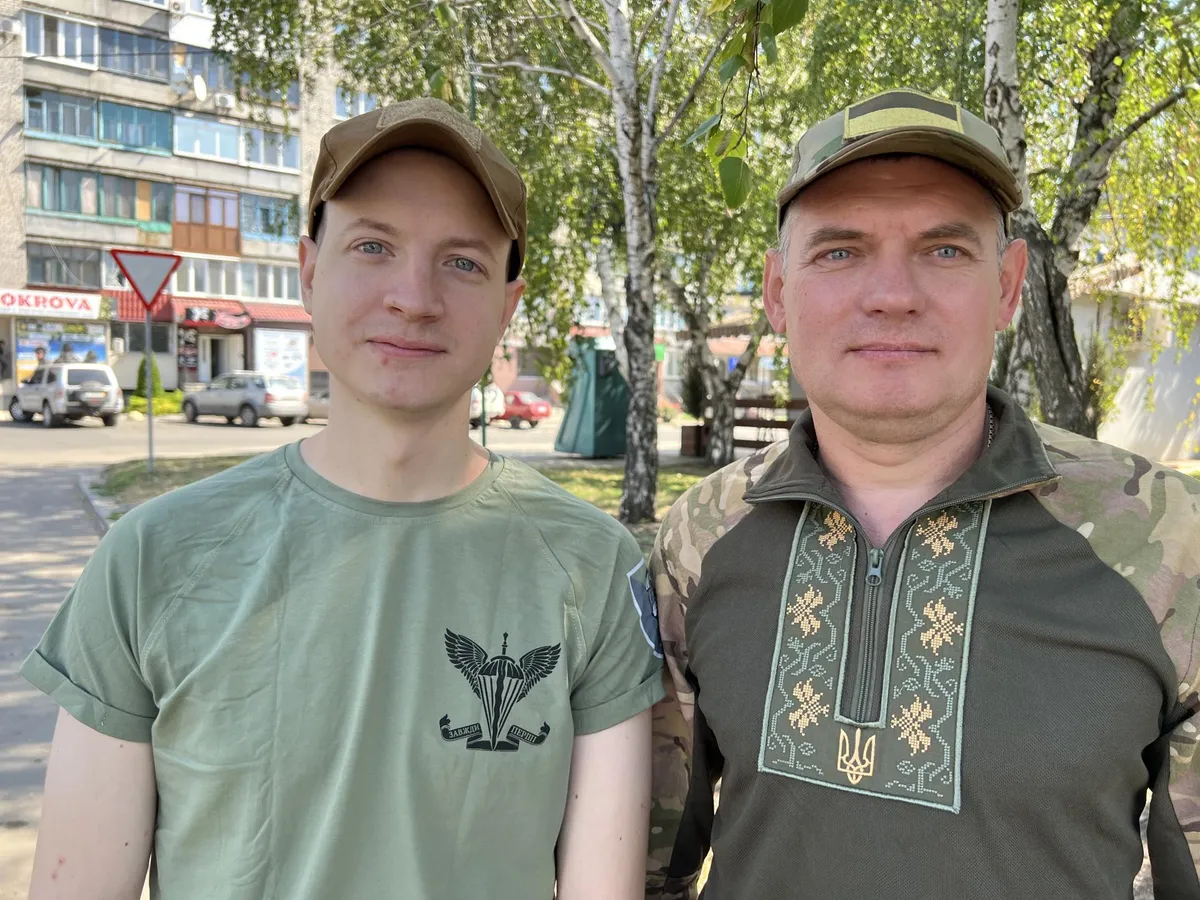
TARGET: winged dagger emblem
(500,683)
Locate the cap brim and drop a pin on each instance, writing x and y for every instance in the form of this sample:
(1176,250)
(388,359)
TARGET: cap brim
(425,134)
(937,143)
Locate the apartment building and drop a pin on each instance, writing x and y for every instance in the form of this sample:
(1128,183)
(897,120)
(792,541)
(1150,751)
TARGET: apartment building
(120,127)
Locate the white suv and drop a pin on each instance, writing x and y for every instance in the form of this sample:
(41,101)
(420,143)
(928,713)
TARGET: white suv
(62,391)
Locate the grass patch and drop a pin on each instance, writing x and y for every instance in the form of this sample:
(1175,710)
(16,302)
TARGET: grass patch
(170,404)
(1192,467)
(129,483)
(599,484)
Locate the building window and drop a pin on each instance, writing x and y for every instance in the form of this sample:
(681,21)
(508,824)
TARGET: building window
(206,137)
(134,126)
(61,39)
(53,113)
(213,66)
(349,103)
(135,54)
(54,189)
(229,278)
(206,221)
(135,337)
(271,148)
(270,218)
(200,7)
(61,266)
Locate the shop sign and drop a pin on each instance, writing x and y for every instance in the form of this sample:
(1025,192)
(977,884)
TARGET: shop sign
(49,304)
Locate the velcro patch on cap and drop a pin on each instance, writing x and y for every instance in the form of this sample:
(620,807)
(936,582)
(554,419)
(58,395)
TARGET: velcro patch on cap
(898,110)
(426,108)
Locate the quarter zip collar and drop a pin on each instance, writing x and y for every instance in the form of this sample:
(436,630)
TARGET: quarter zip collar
(1015,461)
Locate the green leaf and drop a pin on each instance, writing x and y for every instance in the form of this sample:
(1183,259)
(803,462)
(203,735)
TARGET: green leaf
(766,37)
(718,143)
(718,6)
(705,127)
(731,67)
(786,14)
(437,84)
(735,180)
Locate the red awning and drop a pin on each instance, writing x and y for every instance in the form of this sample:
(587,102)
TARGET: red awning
(130,308)
(288,313)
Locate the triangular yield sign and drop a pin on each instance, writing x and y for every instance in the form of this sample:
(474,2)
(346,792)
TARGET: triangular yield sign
(146,272)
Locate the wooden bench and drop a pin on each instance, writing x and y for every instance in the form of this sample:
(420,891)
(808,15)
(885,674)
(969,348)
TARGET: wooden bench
(771,421)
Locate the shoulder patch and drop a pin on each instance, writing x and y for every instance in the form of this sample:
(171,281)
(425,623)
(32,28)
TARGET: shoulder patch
(641,588)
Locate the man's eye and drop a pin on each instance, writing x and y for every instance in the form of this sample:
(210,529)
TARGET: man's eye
(840,255)
(948,253)
(371,248)
(465,265)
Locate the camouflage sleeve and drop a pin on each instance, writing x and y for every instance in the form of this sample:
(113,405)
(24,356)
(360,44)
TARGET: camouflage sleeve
(1143,520)
(673,715)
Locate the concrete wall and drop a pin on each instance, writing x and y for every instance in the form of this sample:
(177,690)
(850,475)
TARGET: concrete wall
(12,157)
(1161,430)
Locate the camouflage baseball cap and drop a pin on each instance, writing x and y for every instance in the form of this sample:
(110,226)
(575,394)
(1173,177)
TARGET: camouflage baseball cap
(904,121)
(428,124)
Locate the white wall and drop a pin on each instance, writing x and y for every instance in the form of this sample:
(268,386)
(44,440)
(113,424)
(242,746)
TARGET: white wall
(1162,432)
(126,369)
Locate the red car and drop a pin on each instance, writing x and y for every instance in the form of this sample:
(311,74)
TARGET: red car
(522,406)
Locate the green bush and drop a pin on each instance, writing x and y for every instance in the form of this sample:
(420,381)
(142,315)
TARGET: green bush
(156,381)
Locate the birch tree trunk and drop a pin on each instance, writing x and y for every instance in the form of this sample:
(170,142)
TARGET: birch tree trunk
(1046,326)
(641,424)
(610,299)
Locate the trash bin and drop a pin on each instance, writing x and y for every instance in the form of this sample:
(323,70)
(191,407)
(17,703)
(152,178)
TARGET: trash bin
(594,423)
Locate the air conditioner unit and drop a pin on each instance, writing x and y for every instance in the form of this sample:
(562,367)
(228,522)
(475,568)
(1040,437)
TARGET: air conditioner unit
(10,26)
(224,101)
(118,346)
(177,7)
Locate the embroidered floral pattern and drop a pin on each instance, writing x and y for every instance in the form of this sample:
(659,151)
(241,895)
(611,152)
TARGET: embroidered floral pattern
(909,722)
(810,709)
(839,530)
(943,626)
(802,609)
(935,532)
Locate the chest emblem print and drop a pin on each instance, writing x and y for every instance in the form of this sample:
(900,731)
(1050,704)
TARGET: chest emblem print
(500,682)
(860,764)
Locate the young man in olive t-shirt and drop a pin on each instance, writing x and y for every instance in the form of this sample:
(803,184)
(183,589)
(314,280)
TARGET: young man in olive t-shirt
(380,663)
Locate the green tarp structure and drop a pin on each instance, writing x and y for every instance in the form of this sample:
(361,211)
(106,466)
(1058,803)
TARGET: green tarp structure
(594,424)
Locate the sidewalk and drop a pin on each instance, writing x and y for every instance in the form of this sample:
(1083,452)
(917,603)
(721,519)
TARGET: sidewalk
(45,539)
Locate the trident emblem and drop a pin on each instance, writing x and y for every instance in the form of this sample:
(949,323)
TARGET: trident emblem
(862,764)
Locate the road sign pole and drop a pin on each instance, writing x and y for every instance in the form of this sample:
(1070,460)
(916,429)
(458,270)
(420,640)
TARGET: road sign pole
(149,362)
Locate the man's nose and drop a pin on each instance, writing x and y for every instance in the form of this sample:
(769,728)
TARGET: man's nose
(413,292)
(893,287)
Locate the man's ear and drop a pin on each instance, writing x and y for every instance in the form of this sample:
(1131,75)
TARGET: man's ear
(308,268)
(773,291)
(1012,281)
(512,296)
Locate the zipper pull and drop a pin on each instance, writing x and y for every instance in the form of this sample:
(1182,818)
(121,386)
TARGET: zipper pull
(875,567)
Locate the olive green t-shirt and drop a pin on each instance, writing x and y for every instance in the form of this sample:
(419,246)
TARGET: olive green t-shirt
(350,698)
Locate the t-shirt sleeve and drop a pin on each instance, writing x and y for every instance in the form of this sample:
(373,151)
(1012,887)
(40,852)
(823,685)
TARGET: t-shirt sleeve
(623,674)
(88,659)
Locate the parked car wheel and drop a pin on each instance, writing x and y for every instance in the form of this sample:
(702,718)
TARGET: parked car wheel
(189,411)
(249,416)
(533,423)
(49,420)
(18,414)
(474,424)
(110,420)
(515,422)
(229,420)
(285,421)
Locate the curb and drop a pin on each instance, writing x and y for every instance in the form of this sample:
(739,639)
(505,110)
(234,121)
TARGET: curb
(100,508)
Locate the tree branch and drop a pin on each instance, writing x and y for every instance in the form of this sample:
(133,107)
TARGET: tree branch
(546,70)
(1153,112)
(684,106)
(641,40)
(660,66)
(757,330)
(585,34)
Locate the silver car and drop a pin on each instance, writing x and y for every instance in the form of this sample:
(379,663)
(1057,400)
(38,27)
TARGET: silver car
(69,391)
(249,397)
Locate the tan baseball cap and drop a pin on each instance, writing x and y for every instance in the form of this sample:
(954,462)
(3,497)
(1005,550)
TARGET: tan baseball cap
(428,124)
(904,121)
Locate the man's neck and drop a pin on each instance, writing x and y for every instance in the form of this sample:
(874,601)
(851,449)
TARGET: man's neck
(396,459)
(885,483)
